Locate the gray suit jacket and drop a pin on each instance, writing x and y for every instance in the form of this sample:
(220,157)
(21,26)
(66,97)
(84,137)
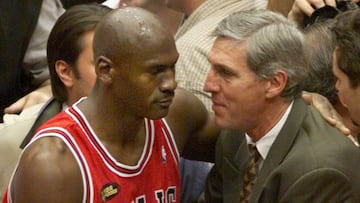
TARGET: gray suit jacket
(309,161)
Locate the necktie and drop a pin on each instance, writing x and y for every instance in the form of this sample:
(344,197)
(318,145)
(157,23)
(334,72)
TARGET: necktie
(250,175)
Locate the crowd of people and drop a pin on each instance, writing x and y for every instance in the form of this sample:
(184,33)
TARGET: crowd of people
(180,101)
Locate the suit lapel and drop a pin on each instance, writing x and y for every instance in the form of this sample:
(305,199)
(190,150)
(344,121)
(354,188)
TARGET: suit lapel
(281,146)
(233,171)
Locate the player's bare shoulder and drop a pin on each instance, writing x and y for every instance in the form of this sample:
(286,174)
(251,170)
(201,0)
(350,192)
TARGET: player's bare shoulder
(186,116)
(50,173)
(186,110)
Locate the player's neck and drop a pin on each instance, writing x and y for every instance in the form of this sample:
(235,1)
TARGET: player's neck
(126,149)
(120,133)
(111,120)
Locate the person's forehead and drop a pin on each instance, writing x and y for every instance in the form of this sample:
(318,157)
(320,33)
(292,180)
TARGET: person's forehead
(228,46)
(137,23)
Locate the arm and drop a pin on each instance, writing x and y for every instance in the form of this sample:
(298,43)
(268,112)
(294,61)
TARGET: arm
(321,185)
(47,172)
(193,128)
(40,95)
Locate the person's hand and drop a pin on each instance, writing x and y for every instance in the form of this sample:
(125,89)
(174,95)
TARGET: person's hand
(353,140)
(302,8)
(326,110)
(40,95)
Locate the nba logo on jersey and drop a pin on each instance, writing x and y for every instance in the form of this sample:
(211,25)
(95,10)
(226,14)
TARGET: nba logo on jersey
(109,191)
(163,154)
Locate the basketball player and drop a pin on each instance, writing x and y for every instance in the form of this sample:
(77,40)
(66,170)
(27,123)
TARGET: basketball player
(116,145)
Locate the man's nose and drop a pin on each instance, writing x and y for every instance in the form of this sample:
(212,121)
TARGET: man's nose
(210,82)
(168,82)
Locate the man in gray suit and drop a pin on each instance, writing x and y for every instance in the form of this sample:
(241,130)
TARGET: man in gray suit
(258,65)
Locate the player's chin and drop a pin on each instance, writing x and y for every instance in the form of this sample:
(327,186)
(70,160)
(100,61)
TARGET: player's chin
(159,113)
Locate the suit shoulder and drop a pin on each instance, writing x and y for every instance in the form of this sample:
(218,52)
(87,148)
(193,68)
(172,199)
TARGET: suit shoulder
(229,141)
(321,145)
(320,134)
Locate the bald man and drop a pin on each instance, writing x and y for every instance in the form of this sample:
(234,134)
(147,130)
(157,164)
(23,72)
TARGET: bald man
(122,142)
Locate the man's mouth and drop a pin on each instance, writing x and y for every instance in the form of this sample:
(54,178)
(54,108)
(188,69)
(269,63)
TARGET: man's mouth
(166,102)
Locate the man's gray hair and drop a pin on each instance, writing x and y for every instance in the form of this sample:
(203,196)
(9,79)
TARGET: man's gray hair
(272,42)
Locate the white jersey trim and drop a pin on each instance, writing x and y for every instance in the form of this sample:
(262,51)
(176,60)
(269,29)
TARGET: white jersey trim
(173,146)
(39,135)
(82,170)
(143,159)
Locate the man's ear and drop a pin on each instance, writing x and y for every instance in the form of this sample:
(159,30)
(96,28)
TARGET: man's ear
(104,69)
(65,73)
(276,84)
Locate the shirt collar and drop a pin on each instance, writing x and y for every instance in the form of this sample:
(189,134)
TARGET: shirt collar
(264,144)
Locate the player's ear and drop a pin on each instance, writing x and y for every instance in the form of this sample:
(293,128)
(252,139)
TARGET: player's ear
(104,69)
(65,73)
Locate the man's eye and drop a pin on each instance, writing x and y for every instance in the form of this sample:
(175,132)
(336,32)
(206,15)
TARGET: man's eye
(225,72)
(157,69)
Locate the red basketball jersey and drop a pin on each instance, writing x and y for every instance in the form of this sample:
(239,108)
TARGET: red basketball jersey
(155,178)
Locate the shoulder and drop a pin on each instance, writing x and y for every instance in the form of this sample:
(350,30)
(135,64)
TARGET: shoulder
(191,124)
(319,150)
(319,134)
(316,141)
(310,145)
(186,111)
(314,164)
(307,187)
(46,168)
(63,119)
(313,132)
(229,142)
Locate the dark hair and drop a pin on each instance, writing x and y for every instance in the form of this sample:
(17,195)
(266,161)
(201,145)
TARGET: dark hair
(66,40)
(320,45)
(329,12)
(347,38)
(344,5)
